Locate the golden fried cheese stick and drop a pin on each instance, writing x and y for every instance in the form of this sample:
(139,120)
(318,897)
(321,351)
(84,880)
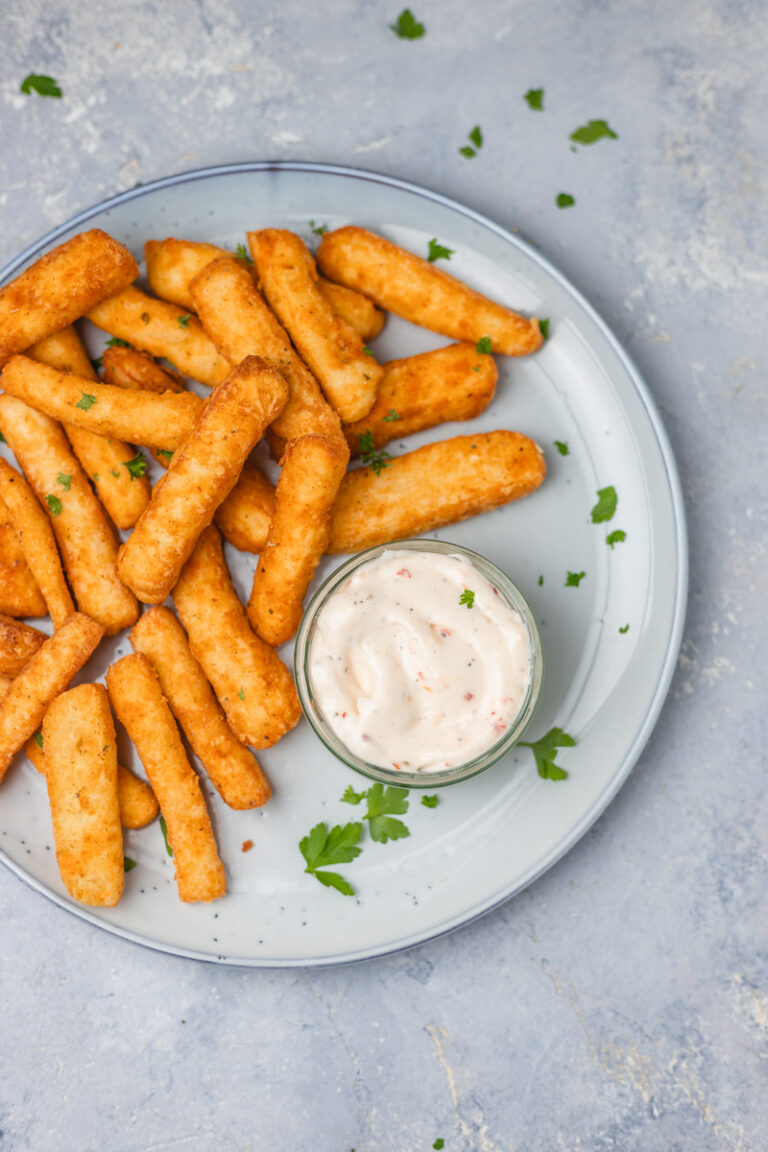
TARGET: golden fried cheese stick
(234,771)
(172,264)
(254,687)
(244,517)
(141,707)
(135,799)
(240,324)
(453,383)
(18,644)
(19,593)
(200,476)
(162,330)
(81,773)
(415,289)
(346,372)
(60,287)
(43,678)
(160,420)
(83,533)
(438,484)
(313,468)
(111,464)
(131,369)
(35,535)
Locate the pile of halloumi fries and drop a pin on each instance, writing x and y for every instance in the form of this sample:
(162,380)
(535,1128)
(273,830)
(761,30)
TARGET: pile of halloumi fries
(283,348)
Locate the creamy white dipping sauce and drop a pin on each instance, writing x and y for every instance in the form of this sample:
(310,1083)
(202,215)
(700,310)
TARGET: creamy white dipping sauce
(407,675)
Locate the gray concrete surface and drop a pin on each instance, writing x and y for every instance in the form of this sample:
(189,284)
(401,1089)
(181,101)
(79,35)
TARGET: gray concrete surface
(621,1002)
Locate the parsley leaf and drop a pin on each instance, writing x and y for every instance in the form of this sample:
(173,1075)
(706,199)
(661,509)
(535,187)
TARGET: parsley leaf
(467,151)
(615,537)
(54,504)
(85,402)
(467,597)
(164,830)
(544,327)
(541,581)
(367,352)
(3,439)
(484,346)
(128,864)
(407,26)
(429,801)
(64,480)
(96,363)
(241,694)
(437,251)
(184,320)
(564,200)
(592,132)
(390,416)
(116,342)
(318,229)
(244,254)
(136,467)
(438,1144)
(624,630)
(338,846)
(43,85)
(352,797)
(545,752)
(476,136)
(534,98)
(165,452)
(606,505)
(562,447)
(376,460)
(39,735)
(573,579)
(383,806)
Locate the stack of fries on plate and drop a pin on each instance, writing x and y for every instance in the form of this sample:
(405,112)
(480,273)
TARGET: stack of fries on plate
(283,350)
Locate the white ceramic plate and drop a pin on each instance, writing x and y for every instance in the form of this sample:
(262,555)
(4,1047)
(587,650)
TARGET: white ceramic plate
(492,835)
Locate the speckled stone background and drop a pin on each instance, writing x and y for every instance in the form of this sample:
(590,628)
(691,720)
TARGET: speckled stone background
(622,1001)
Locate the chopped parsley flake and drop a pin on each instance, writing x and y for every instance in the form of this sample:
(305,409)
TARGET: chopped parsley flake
(352,797)
(615,537)
(116,342)
(438,251)
(592,132)
(128,864)
(39,735)
(85,402)
(534,98)
(241,694)
(605,507)
(545,752)
(624,630)
(544,327)
(476,136)
(391,416)
(64,480)
(184,320)
(43,85)
(244,254)
(136,467)
(467,597)
(564,200)
(573,579)
(166,452)
(562,447)
(407,26)
(54,504)
(164,830)
(429,802)
(541,581)
(376,460)
(96,363)
(484,346)
(318,229)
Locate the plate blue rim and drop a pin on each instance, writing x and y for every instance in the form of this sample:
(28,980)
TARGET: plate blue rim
(681,545)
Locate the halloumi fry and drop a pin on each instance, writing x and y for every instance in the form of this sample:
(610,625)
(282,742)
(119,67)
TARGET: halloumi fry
(162,330)
(141,707)
(172,264)
(41,679)
(131,369)
(60,287)
(160,420)
(19,593)
(240,324)
(35,535)
(417,290)
(313,468)
(81,762)
(135,799)
(201,474)
(346,372)
(453,383)
(18,644)
(234,771)
(109,463)
(243,518)
(83,533)
(438,484)
(254,687)
(5,683)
